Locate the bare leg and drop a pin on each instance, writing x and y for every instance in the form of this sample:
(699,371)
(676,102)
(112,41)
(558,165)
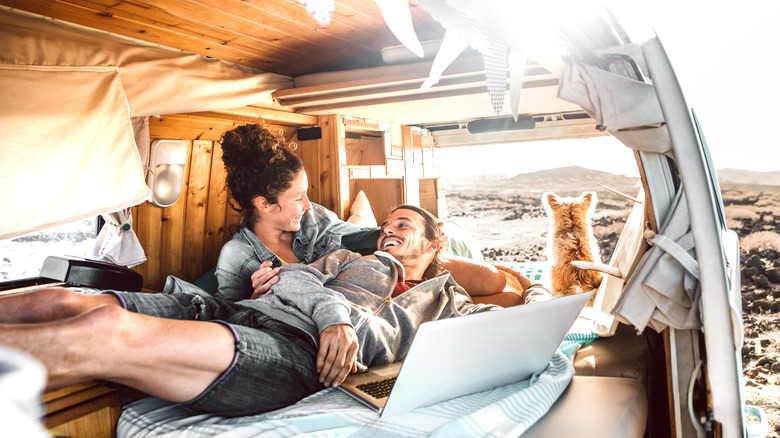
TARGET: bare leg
(171,359)
(48,304)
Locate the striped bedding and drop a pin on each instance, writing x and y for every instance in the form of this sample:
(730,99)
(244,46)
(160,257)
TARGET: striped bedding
(505,411)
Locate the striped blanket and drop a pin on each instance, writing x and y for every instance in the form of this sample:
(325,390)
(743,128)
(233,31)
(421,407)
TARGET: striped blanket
(504,411)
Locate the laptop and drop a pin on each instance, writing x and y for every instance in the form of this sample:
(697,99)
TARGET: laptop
(452,357)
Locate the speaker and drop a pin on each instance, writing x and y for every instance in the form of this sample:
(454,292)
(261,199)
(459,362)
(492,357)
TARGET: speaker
(310,133)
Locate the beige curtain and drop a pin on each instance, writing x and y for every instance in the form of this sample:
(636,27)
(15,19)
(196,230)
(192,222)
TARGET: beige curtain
(68,148)
(68,94)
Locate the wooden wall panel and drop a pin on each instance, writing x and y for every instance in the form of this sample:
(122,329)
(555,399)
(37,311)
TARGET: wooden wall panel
(309,152)
(149,230)
(216,213)
(197,199)
(184,239)
(171,262)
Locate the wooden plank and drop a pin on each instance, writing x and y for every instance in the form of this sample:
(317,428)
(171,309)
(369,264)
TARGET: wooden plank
(197,198)
(309,152)
(173,219)
(196,127)
(74,395)
(93,418)
(190,127)
(417,147)
(215,210)
(333,178)
(232,220)
(254,114)
(411,178)
(149,234)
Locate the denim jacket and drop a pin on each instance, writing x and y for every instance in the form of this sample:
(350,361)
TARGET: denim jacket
(347,288)
(321,232)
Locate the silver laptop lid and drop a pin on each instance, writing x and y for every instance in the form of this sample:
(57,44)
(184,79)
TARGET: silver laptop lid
(458,356)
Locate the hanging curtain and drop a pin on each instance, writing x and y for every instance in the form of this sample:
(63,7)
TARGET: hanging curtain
(618,99)
(68,94)
(117,242)
(664,290)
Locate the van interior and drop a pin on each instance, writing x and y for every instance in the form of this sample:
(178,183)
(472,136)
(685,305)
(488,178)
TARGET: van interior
(116,108)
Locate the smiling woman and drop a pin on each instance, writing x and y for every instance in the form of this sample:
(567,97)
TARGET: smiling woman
(280,225)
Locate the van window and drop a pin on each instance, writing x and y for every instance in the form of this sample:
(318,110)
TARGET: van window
(22,257)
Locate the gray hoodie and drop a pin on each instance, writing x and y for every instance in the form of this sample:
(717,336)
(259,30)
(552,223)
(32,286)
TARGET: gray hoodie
(347,288)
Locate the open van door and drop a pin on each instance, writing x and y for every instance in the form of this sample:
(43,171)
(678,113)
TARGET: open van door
(717,253)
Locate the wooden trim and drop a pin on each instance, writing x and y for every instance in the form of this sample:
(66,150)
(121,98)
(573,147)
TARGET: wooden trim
(110,400)
(255,114)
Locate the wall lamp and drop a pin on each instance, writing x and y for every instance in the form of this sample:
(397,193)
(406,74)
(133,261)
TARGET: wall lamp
(166,171)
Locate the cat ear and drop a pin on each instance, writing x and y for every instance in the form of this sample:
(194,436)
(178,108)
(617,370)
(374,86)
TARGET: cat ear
(586,197)
(550,200)
(590,200)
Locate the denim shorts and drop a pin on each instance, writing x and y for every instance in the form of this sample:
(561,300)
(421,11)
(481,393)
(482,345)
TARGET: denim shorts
(274,363)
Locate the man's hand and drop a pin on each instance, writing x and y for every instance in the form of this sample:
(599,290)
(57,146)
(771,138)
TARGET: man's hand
(263,279)
(337,356)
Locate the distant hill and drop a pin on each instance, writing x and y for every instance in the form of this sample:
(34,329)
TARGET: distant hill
(565,181)
(746,179)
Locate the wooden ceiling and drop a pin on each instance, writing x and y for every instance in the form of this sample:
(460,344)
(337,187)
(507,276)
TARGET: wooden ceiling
(277,36)
(280,36)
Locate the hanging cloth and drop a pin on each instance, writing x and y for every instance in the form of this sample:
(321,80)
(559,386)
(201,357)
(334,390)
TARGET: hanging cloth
(664,290)
(117,242)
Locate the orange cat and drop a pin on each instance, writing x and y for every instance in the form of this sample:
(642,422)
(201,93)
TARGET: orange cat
(569,239)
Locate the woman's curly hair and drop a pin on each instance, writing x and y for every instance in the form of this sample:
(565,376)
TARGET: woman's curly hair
(258,163)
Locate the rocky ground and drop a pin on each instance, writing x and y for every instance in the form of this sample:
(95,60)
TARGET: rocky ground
(508,221)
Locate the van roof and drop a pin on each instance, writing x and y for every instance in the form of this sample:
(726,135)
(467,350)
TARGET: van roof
(280,36)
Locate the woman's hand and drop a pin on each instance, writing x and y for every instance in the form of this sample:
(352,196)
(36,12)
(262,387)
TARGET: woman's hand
(337,356)
(263,279)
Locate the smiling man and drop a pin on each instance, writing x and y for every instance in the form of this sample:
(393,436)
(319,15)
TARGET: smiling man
(341,313)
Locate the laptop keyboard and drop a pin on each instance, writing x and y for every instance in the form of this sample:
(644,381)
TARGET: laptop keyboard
(378,388)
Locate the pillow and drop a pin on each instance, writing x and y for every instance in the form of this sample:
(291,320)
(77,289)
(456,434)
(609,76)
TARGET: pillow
(360,213)
(461,242)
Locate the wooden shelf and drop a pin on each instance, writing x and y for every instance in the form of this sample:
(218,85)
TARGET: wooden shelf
(89,410)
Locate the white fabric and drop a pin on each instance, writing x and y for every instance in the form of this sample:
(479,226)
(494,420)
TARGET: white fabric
(21,384)
(664,290)
(64,158)
(626,107)
(142,139)
(117,241)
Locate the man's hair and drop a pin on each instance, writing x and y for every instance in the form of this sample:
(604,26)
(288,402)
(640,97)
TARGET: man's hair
(432,233)
(257,163)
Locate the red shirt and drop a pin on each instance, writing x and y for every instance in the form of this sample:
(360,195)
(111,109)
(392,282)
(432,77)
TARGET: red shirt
(403,286)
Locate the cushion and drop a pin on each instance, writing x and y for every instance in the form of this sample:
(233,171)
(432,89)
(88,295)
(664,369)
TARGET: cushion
(360,212)
(623,355)
(598,407)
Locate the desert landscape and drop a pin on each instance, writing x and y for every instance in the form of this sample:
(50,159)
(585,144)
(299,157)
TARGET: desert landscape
(507,220)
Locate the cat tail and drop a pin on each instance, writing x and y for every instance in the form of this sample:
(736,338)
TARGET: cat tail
(600,267)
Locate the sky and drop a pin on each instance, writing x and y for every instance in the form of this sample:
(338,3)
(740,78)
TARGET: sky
(725,55)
